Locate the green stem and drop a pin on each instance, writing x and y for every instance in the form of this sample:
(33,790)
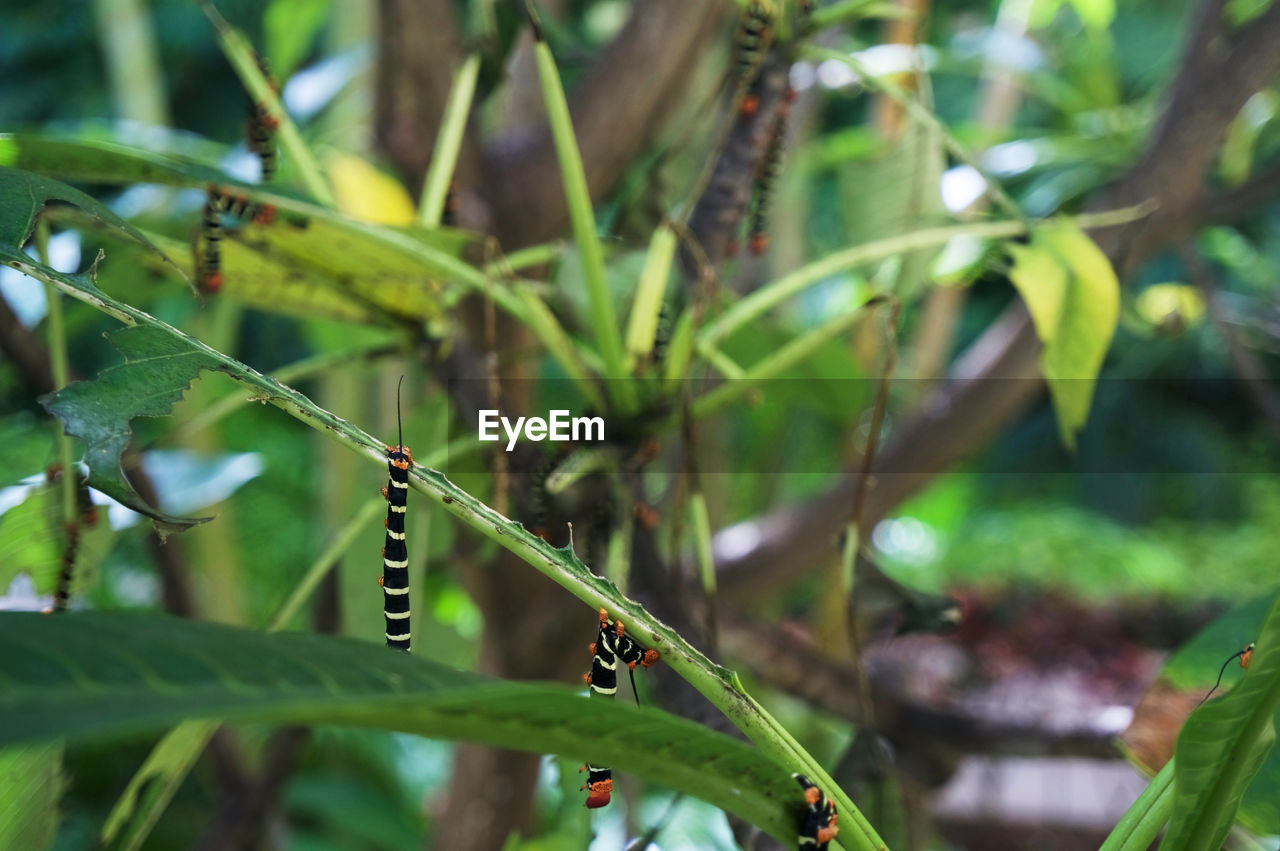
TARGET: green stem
(582,217)
(771,295)
(701,523)
(720,362)
(61,374)
(923,116)
(133,65)
(790,355)
(243,59)
(840,12)
(215,412)
(534,255)
(1138,828)
(435,188)
(718,684)
(303,588)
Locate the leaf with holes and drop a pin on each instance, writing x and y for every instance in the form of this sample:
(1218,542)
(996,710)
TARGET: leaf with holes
(157,370)
(23,195)
(96,674)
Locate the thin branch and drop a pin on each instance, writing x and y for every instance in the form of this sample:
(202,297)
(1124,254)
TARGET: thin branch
(1248,368)
(26,350)
(1257,192)
(789,660)
(418,50)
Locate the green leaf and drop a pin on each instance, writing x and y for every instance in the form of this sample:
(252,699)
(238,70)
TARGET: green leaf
(1241,12)
(1222,746)
(30,786)
(92,160)
(33,536)
(1140,824)
(157,369)
(23,195)
(1074,299)
(290,28)
(94,674)
(642,327)
(1195,665)
(153,786)
(453,126)
(582,218)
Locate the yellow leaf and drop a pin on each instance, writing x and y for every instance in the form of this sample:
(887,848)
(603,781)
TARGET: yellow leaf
(1074,299)
(368,194)
(1169,304)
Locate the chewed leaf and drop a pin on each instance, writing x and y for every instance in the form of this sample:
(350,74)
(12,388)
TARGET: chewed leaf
(26,194)
(157,369)
(1074,299)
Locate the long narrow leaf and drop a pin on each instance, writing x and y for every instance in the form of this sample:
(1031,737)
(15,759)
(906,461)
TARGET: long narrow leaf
(790,285)
(603,320)
(448,142)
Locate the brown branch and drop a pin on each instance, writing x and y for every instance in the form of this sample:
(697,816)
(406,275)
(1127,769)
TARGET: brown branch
(789,660)
(418,50)
(24,348)
(617,110)
(717,218)
(1219,73)
(247,808)
(1255,193)
(1246,364)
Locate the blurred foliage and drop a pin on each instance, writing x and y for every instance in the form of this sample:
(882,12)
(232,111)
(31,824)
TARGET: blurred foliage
(1171,492)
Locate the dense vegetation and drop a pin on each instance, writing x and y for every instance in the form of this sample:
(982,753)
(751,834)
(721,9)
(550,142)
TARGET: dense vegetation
(933,344)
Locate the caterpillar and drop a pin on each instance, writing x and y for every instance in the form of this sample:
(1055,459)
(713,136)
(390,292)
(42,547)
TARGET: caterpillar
(218,202)
(261,126)
(766,179)
(86,513)
(209,265)
(1245,656)
(540,498)
(612,645)
(755,31)
(395,553)
(819,824)
(599,785)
